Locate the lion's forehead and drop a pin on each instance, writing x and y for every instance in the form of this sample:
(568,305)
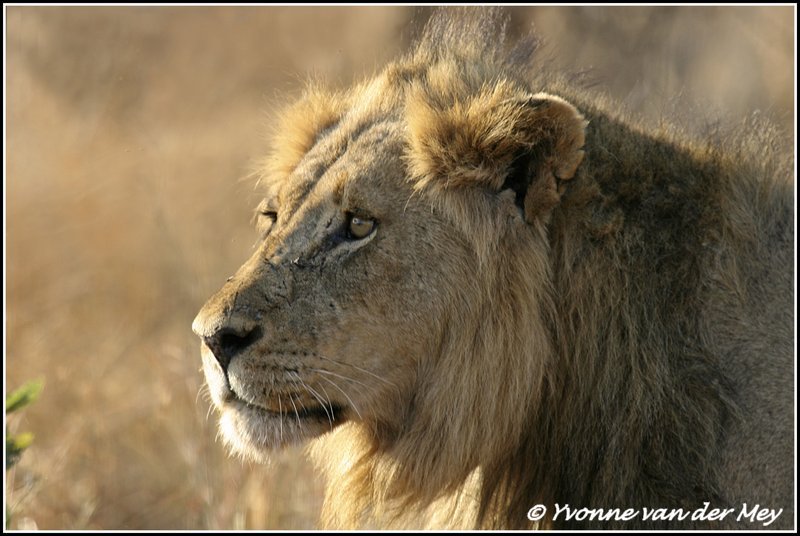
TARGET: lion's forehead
(360,157)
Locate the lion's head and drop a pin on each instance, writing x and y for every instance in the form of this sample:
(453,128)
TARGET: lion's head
(397,285)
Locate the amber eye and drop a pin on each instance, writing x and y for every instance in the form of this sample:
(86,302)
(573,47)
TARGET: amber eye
(358,228)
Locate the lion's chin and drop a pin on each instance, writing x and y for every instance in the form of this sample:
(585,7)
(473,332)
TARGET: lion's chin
(254,432)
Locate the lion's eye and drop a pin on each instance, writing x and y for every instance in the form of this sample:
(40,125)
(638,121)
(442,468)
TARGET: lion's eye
(265,219)
(358,228)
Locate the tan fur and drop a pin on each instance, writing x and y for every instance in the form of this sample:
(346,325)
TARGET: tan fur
(298,126)
(555,305)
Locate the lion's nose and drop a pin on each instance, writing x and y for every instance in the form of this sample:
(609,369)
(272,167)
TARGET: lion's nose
(227,343)
(226,339)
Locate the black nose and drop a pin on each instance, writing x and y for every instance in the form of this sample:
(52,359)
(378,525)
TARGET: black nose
(227,343)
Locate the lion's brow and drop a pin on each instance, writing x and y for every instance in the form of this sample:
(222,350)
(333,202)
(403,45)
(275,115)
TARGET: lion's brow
(341,139)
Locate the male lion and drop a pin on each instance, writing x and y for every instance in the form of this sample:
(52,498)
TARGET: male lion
(481,290)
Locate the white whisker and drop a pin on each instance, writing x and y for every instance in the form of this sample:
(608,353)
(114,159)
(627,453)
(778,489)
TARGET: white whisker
(296,414)
(365,371)
(327,396)
(342,377)
(347,397)
(280,416)
(313,393)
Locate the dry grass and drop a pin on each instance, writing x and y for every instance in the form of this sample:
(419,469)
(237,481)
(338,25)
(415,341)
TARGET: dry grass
(128,129)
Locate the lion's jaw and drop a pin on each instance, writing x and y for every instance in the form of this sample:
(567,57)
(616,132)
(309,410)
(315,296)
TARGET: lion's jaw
(290,409)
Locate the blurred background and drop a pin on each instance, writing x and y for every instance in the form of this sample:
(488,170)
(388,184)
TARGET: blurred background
(128,133)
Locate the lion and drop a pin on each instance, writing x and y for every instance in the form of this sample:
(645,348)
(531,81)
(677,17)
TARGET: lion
(487,298)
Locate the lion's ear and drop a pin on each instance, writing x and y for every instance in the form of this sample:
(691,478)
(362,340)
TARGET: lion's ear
(500,140)
(550,154)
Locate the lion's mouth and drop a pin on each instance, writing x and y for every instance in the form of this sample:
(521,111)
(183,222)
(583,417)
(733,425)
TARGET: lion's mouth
(288,410)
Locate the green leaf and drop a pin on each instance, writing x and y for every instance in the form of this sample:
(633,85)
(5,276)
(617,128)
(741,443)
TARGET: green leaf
(24,395)
(15,445)
(20,441)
